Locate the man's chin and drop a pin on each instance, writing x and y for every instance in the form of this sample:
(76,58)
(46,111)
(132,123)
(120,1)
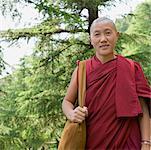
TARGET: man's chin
(104,52)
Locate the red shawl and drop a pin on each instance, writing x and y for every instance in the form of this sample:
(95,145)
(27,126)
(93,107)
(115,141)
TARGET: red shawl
(113,105)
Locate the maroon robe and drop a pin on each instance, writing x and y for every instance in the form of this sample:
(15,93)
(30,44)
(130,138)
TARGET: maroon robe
(108,126)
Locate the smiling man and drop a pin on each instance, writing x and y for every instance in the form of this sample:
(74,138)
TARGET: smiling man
(117,93)
(103,35)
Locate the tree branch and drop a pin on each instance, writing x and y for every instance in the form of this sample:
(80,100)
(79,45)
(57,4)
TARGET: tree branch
(28,33)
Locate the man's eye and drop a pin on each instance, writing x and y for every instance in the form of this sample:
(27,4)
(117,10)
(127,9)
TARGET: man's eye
(96,34)
(108,33)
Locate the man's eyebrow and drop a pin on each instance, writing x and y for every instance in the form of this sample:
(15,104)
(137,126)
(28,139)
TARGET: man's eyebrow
(96,30)
(108,29)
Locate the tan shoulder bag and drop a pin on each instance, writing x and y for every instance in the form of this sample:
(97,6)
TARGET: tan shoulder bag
(74,134)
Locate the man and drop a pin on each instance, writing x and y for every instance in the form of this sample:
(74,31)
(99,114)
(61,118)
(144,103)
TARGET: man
(116,110)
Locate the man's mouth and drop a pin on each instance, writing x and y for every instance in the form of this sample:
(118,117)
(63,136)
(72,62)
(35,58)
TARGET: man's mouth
(104,46)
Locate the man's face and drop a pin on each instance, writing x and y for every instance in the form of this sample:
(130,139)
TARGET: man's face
(103,38)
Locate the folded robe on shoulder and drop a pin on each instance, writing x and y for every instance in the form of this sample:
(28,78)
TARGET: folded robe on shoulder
(126,99)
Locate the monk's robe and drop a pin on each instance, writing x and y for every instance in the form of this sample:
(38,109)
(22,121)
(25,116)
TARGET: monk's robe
(112,124)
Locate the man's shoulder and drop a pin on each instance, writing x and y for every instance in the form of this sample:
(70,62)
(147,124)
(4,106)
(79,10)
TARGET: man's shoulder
(135,65)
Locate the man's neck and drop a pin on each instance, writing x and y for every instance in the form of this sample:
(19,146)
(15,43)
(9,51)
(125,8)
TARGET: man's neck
(105,58)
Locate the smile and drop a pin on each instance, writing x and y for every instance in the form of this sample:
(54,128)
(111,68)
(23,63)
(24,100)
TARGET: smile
(104,46)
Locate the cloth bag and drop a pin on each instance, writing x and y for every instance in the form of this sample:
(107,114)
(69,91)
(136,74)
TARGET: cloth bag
(74,134)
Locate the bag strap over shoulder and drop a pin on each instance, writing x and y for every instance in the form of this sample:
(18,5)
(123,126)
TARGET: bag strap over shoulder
(81,83)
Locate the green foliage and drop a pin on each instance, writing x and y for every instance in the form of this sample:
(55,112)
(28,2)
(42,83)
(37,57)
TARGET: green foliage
(140,27)
(2,66)
(122,24)
(141,21)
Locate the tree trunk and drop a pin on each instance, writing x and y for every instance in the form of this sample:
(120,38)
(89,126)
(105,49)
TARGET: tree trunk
(93,14)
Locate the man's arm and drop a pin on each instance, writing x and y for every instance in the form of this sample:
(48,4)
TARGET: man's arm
(144,125)
(78,114)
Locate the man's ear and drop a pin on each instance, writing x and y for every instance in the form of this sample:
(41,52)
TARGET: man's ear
(118,34)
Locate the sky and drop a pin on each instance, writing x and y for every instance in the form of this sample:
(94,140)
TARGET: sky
(31,17)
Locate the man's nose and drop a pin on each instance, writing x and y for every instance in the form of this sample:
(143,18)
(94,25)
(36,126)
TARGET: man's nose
(103,38)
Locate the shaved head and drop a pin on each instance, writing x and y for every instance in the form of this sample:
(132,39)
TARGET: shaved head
(102,20)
